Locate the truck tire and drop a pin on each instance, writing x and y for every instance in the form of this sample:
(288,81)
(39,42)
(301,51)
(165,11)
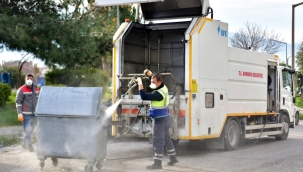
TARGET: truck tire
(285,122)
(297,118)
(232,135)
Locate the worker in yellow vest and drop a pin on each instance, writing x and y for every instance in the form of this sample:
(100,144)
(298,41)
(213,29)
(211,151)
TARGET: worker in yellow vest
(159,111)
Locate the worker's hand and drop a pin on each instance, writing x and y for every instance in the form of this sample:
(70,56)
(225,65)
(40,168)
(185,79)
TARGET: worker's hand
(139,81)
(20,117)
(148,73)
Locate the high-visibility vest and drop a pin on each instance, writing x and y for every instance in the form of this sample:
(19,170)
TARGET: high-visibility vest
(164,102)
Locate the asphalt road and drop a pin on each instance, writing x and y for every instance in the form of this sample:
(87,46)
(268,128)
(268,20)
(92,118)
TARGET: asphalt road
(134,154)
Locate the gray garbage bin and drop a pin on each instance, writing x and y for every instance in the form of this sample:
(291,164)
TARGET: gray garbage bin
(71,125)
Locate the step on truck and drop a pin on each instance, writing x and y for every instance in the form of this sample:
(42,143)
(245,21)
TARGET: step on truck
(217,93)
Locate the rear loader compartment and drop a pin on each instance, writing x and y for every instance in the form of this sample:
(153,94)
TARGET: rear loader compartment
(158,47)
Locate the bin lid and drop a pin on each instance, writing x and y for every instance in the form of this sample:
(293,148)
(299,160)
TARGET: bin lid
(162,9)
(69,101)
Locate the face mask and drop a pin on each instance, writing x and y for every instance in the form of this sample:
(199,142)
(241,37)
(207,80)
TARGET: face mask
(29,82)
(153,86)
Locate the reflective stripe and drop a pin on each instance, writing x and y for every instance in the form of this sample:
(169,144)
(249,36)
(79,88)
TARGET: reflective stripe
(171,150)
(162,116)
(28,93)
(158,154)
(171,153)
(27,112)
(18,105)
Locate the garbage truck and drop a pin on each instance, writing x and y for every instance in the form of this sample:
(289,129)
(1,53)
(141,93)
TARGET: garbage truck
(218,93)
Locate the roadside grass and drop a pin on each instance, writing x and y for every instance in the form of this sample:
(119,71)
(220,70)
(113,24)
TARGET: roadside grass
(8,141)
(8,113)
(301,116)
(8,116)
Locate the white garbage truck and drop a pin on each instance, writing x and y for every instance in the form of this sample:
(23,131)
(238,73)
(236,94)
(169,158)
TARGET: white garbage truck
(219,93)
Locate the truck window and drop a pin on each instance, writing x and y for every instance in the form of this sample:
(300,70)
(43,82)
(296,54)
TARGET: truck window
(287,81)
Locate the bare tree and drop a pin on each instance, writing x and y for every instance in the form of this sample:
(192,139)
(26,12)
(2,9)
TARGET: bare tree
(255,38)
(23,60)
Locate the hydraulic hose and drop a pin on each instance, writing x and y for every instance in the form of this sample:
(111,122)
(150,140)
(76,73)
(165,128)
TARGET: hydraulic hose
(131,125)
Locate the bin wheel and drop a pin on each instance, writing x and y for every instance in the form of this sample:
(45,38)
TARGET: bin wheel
(55,161)
(100,164)
(41,164)
(89,167)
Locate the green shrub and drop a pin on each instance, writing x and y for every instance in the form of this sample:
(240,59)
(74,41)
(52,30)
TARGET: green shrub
(85,77)
(299,102)
(12,98)
(5,92)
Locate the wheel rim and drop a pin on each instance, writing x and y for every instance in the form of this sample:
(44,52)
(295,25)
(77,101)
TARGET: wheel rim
(232,135)
(285,126)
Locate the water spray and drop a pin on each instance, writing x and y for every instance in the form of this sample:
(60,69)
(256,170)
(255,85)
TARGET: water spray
(110,110)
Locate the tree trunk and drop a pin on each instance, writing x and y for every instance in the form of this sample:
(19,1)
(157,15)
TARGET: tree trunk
(19,74)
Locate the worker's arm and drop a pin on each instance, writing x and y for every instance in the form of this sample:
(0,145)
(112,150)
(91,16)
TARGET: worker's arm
(155,95)
(19,100)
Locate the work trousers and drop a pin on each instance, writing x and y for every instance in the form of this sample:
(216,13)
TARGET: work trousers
(29,123)
(161,137)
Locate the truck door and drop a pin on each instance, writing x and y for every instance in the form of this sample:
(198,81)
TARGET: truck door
(120,2)
(287,92)
(163,9)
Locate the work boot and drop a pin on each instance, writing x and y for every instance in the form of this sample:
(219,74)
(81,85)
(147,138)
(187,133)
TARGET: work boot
(30,148)
(156,165)
(172,160)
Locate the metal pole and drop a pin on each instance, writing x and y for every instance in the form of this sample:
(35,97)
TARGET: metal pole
(292,37)
(159,40)
(286,55)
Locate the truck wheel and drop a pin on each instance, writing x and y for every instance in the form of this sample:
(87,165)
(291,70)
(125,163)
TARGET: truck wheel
(297,118)
(232,135)
(285,123)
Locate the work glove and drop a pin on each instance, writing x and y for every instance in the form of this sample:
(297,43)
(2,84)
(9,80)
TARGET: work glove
(139,81)
(148,73)
(20,117)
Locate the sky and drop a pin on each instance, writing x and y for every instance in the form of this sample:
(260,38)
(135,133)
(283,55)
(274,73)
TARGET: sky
(271,14)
